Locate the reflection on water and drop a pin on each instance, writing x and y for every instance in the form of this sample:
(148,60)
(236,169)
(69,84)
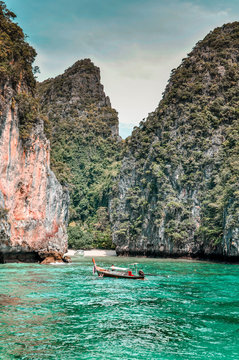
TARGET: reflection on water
(6,300)
(188,312)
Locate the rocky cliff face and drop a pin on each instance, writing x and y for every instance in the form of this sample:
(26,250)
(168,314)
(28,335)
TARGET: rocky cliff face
(33,205)
(32,202)
(178,190)
(85,148)
(79,94)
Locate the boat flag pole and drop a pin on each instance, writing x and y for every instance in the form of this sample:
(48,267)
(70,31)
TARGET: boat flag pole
(94,267)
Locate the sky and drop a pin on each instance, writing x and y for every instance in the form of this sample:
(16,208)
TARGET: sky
(136,43)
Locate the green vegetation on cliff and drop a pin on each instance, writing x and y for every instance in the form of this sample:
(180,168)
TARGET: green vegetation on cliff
(80,123)
(16,56)
(16,71)
(177,191)
(183,161)
(84,149)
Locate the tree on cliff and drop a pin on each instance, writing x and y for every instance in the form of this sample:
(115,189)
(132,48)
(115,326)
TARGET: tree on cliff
(16,56)
(16,59)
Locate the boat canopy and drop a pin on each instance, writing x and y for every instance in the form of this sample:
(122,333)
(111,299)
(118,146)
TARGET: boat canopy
(119,268)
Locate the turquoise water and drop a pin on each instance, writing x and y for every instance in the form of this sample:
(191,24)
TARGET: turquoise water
(190,311)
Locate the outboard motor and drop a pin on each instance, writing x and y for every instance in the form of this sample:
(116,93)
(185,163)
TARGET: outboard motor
(141,273)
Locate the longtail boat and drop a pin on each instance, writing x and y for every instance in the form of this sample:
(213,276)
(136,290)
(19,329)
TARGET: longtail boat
(117,272)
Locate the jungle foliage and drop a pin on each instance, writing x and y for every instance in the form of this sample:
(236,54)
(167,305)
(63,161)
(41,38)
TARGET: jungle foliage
(16,55)
(186,154)
(179,176)
(84,149)
(17,72)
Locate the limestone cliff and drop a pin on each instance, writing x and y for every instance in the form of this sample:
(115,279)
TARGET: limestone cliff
(78,94)
(85,148)
(33,205)
(178,190)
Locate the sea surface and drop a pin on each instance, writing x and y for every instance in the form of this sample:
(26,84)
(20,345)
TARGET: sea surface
(189,311)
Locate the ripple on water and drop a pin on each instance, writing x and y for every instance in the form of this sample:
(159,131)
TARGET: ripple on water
(188,312)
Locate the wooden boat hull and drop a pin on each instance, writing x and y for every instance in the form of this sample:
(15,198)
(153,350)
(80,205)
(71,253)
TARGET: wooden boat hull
(105,273)
(115,274)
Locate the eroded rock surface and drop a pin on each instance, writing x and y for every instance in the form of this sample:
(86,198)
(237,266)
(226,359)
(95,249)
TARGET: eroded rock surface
(85,148)
(178,190)
(33,205)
